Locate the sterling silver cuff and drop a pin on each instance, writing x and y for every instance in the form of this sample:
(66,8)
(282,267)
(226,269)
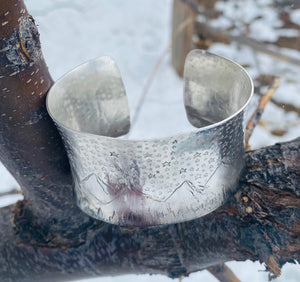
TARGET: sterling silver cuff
(157,181)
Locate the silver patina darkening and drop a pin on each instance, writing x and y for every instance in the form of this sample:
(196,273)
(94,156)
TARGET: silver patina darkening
(156,181)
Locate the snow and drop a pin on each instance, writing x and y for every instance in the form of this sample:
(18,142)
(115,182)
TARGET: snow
(136,34)
(9,199)
(7,183)
(295,16)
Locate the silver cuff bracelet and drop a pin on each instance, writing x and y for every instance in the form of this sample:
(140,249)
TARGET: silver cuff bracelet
(157,181)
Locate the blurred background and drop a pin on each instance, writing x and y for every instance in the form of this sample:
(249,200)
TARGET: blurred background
(263,36)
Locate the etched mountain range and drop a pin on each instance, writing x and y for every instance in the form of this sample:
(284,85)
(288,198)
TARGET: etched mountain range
(107,193)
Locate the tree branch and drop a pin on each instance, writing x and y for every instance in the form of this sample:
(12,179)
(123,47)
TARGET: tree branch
(223,273)
(260,222)
(256,116)
(46,237)
(30,145)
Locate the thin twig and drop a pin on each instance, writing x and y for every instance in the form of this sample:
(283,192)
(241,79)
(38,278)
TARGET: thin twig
(223,273)
(283,124)
(256,116)
(287,107)
(142,99)
(262,48)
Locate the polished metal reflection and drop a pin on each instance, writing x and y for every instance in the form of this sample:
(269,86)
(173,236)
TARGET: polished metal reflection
(158,181)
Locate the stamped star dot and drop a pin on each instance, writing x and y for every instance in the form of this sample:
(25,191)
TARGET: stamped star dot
(182,170)
(197,155)
(113,154)
(150,175)
(147,155)
(166,164)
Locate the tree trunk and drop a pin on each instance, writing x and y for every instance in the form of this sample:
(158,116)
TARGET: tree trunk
(46,237)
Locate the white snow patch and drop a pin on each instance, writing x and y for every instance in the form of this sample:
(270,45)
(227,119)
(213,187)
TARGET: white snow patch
(295,16)
(7,182)
(10,199)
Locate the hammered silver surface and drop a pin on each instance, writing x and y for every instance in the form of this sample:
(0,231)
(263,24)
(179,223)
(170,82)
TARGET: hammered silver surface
(157,181)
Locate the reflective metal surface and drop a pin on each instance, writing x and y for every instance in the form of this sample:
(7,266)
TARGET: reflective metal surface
(157,181)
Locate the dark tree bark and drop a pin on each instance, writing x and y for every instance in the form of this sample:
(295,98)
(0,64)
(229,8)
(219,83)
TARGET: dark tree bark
(46,237)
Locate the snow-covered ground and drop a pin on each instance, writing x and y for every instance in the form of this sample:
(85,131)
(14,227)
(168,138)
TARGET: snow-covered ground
(136,33)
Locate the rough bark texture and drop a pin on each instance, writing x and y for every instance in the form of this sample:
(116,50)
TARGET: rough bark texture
(30,146)
(47,238)
(260,222)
